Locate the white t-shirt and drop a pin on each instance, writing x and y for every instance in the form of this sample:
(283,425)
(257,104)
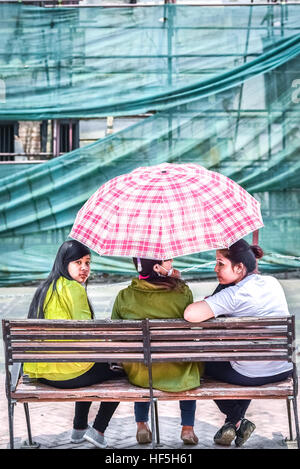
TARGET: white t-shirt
(255,295)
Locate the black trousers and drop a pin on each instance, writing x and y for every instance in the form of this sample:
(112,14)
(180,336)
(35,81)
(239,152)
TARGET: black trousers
(235,409)
(99,373)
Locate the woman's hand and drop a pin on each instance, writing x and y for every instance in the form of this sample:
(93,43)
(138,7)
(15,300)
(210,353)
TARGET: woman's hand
(176,273)
(163,272)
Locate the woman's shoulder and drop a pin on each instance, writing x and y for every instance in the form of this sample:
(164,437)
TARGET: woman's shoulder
(272,284)
(186,289)
(185,286)
(130,286)
(257,285)
(63,284)
(67,282)
(260,279)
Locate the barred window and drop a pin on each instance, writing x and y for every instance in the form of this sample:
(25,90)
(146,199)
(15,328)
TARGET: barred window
(7,140)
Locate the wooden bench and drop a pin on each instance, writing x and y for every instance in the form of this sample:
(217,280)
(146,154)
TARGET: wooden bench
(147,341)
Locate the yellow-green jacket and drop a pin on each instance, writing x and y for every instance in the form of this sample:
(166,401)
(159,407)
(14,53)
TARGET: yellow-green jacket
(145,300)
(68,301)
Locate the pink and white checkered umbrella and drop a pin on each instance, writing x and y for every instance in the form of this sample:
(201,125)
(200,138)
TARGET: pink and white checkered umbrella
(166,211)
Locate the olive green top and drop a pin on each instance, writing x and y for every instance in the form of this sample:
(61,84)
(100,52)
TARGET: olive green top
(143,300)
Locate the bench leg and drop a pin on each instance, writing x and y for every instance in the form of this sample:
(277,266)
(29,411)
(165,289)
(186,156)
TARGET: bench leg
(288,405)
(152,421)
(296,421)
(156,422)
(30,444)
(11,406)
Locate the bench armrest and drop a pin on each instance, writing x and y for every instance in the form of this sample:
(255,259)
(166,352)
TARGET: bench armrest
(15,374)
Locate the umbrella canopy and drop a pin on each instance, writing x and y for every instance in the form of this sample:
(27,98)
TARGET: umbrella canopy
(166,211)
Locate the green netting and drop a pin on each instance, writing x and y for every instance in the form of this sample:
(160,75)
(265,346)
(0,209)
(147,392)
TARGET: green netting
(68,62)
(224,83)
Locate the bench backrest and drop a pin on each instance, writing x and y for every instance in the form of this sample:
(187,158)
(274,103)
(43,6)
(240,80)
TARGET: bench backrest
(38,340)
(223,339)
(149,340)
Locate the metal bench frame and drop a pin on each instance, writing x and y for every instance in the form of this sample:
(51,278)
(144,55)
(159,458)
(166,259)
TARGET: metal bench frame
(147,341)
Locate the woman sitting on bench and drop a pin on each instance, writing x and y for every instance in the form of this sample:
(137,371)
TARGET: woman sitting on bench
(253,295)
(63,296)
(158,293)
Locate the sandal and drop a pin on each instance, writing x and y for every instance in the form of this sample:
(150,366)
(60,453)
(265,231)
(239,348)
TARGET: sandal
(188,436)
(144,435)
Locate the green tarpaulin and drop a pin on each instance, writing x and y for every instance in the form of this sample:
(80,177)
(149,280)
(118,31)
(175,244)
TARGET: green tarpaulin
(224,85)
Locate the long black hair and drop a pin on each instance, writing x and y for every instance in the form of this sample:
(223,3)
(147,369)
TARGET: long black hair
(145,269)
(68,252)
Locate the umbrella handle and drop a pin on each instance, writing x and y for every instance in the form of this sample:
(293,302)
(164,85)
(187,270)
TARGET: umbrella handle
(255,237)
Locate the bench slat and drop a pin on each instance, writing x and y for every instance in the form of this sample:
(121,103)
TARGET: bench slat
(222,322)
(79,335)
(81,346)
(220,345)
(81,357)
(121,390)
(155,347)
(190,335)
(218,334)
(155,335)
(72,324)
(221,356)
(156,357)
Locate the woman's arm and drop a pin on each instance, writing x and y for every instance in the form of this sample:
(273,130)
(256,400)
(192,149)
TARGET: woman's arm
(198,312)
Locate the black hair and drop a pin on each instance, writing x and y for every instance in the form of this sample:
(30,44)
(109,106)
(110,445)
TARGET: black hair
(243,252)
(145,269)
(69,251)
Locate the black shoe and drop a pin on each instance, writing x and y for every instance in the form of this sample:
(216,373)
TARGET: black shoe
(225,435)
(244,432)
